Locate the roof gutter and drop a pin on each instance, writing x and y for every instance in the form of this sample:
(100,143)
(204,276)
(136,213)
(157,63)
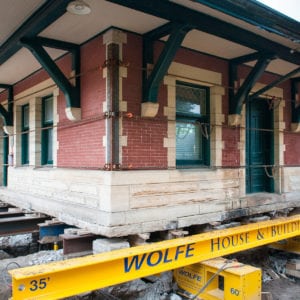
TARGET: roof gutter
(261,16)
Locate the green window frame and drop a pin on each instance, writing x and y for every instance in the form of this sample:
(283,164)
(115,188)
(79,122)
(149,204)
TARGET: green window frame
(47,130)
(25,135)
(192,125)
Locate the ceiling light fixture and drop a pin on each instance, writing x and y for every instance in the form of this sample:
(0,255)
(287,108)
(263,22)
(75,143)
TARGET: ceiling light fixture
(78,7)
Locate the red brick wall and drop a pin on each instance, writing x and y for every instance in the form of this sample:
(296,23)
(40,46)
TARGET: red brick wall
(3,96)
(144,135)
(291,140)
(231,152)
(81,143)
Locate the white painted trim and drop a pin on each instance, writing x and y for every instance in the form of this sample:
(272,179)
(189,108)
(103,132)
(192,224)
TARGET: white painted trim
(41,89)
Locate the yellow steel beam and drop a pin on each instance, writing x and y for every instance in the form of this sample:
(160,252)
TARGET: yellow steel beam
(70,277)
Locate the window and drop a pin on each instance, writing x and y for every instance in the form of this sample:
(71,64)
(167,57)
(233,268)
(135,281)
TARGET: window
(192,125)
(47,130)
(25,135)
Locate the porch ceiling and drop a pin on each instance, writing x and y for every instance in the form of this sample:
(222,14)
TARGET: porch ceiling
(17,62)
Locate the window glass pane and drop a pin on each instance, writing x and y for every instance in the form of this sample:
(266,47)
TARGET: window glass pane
(190,100)
(188,141)
(192,146)
(25,135)
(25,148)
(49,145)
(25,122)
(47,133)
(48,110)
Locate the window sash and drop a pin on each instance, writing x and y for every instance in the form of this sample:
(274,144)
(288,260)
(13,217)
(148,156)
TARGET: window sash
(192,146)
(25,135)
(47,130)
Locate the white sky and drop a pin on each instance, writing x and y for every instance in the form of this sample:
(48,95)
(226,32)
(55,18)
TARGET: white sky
(290,8)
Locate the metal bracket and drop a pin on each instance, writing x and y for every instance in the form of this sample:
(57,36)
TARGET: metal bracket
(177,33)
(71,92)
(112,167)
(110,114)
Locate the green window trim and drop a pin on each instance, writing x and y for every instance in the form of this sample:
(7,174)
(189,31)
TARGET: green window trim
(192,125)
(25,135)
(47,131)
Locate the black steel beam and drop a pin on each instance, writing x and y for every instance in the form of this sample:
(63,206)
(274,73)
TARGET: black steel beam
(41,19)
(177,13)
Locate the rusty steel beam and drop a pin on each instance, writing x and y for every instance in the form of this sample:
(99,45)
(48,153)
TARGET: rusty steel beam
(78,243)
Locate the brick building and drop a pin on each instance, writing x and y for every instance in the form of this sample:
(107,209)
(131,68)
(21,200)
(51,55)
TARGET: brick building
(144,116)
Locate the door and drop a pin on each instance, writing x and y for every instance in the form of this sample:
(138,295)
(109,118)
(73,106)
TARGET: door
(259,147)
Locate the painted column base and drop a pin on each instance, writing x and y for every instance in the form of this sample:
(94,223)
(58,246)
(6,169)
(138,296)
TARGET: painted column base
(8,130)
(149,109)
(73,113)
(234,120)
(295,127)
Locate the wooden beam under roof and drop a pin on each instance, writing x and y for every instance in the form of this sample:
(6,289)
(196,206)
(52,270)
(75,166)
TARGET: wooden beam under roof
(183,15)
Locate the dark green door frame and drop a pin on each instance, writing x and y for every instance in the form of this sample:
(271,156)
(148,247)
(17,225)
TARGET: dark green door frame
(259,146)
